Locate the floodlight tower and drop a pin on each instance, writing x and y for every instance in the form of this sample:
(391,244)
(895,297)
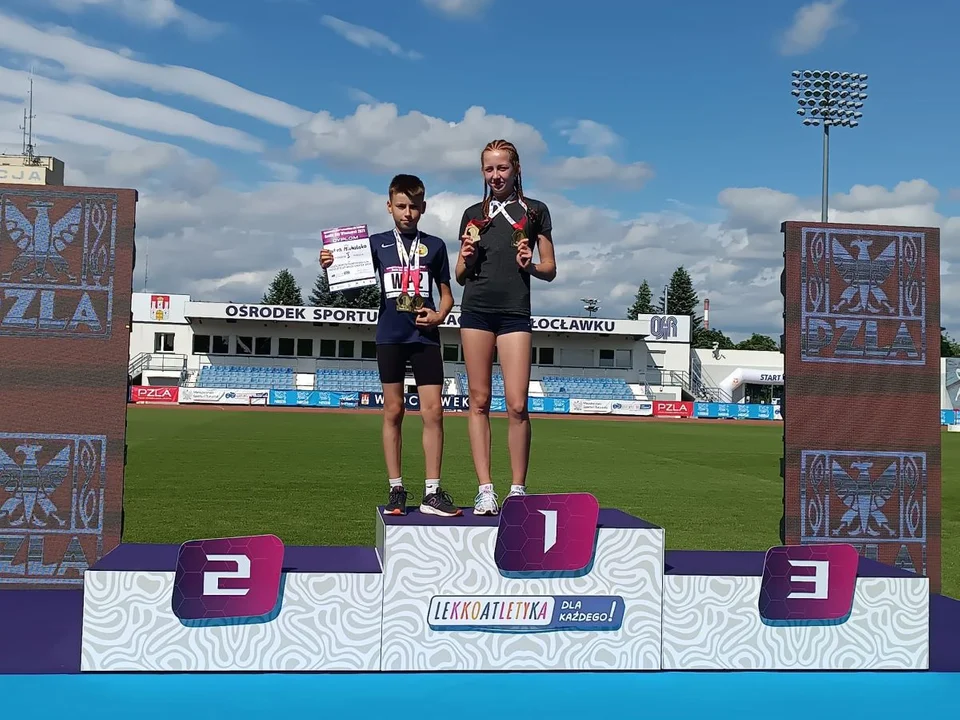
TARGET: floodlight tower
(832,99)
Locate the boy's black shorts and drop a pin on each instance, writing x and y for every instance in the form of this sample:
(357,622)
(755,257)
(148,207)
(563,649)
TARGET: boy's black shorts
(425,360)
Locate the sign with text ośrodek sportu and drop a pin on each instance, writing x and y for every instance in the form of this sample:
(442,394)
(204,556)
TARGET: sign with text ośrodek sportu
(862,391)
(66,275)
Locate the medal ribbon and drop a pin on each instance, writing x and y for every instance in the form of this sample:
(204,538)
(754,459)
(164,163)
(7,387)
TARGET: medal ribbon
(500,208)
(410,262)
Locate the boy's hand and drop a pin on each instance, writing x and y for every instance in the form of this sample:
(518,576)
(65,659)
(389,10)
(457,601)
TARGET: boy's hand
(326,259)
(427,318)
(524,254)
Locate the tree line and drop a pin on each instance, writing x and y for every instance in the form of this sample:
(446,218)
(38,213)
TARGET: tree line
(682,299)
(284,290)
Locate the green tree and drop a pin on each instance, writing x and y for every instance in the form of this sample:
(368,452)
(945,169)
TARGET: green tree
(948,347)
(363,298)
(283,290)
(321,296)
(758,342)
(642,304)
(705,339)
(682,299)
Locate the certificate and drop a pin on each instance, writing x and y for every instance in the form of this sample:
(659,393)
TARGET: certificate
(352,258)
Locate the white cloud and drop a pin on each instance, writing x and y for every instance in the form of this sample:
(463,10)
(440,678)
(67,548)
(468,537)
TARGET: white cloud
(595,137)
(361,96)
(100,64)
(91,103)
(458,8)
(149,13)
(574,171)
(811,23)
(367,38)
(378,138)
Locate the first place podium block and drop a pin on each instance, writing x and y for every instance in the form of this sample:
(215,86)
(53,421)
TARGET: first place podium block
(451,601)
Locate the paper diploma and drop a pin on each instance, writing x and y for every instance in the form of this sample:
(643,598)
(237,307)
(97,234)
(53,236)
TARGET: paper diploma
(352,258)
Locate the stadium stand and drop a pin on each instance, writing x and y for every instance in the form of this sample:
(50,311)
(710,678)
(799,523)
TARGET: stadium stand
(339,380)
(588,388)
(244,376)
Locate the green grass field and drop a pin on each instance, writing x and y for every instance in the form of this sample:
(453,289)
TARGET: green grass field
(314,478)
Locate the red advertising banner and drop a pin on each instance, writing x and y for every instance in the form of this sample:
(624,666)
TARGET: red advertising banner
(673,408)
(862,380)
(154,394)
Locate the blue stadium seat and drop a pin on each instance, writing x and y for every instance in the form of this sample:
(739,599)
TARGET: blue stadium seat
(245,377)
(337,380)
(586,388)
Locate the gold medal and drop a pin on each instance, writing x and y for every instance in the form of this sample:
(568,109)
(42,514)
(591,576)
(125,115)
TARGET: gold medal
(404,303)
(417,302)
(518,237)
(474,232)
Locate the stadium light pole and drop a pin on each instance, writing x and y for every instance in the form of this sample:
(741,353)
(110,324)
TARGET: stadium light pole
(829,98)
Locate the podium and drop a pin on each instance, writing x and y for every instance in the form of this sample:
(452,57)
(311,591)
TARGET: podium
(554,583)
(329,617)
(446,605)
(711,620)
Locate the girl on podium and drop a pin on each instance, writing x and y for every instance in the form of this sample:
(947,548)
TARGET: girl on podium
(494,266)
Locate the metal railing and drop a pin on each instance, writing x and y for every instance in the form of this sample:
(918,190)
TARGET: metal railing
(157,361)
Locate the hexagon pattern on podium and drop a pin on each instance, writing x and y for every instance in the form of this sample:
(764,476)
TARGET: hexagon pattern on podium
(228,578)
(808,584)
(547,533)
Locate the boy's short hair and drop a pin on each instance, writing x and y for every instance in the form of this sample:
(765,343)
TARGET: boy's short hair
(409,185)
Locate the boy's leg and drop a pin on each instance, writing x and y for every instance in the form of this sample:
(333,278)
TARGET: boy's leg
(515,350)
(392,365)
(427,364)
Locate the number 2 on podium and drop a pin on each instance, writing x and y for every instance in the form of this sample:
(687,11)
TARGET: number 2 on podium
(211,580)
(549,529)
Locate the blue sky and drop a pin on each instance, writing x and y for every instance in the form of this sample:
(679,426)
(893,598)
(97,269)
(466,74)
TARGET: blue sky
(659,133)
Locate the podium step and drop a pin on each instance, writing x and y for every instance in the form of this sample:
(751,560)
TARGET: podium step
(448,606)
(329,618)
(711,620)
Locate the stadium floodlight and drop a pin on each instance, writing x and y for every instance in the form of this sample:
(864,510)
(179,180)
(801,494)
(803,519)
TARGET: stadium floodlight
(591,305)
(828,98)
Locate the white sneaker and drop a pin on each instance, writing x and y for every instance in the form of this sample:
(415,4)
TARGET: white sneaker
(486,504)
(517,493)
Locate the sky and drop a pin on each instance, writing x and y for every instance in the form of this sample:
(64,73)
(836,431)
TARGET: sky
(660,134)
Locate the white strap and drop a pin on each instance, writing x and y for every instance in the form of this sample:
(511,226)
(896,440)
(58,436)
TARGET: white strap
(500,208)
(411,260)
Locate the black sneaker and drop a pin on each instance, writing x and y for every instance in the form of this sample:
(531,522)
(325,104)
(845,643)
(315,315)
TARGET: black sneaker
(397,504)
(439,503)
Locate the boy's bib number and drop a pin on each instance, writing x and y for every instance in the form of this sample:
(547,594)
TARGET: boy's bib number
(393,283)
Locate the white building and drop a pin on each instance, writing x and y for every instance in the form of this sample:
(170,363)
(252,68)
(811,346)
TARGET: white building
(177,340)
(174,339)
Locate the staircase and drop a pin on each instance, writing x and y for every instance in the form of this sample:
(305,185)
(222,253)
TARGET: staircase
(138,365)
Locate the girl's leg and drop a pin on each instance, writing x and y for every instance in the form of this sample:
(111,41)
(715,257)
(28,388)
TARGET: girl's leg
(478,346)
(515,350)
